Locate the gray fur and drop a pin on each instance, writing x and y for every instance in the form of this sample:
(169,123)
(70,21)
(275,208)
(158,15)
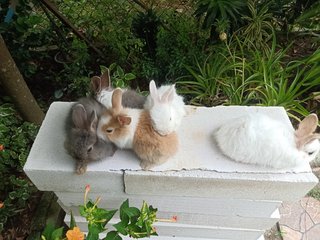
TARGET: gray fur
(131,99)
(82,141)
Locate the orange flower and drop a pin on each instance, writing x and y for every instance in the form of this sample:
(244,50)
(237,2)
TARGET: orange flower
(1,147)
(174,218)
(1,204)
(75,234)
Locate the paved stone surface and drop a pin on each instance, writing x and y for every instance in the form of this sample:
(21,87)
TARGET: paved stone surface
(300,220)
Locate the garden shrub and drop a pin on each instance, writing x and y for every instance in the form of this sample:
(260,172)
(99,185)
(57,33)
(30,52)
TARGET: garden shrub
(177,44)
(16,137)
(237,75)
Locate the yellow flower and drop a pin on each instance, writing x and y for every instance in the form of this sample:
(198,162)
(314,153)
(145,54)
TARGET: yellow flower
(75,234)
(223,36)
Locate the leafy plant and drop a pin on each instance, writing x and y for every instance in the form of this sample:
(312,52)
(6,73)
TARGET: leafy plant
(203,83)
(118,77)
(176,48)
(16,140)
(218,9)
(257,27)
(253,77)
(134,222)
(214,12)
(145,26)
(288,13)
(309,18)
(287,86)
(221,79)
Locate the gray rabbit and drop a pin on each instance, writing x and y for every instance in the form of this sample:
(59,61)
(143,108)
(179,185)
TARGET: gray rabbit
(103,90)
(82,141)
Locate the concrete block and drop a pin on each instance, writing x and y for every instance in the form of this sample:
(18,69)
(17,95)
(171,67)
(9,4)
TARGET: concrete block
(200,183)
(48,164)
(226,221)
(214,196)
(186,231)
(191,205)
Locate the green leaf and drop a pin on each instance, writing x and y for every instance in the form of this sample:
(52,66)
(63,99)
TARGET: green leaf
(129,76)
(58,93)
(121,228)
(82,211)
(132,212)
(48,230)
(57,234)
(112,66)
(120,71)
(94,231)
(113,235)
(108,215)
(103,69)
(72,221)
(123,215)
(120,83)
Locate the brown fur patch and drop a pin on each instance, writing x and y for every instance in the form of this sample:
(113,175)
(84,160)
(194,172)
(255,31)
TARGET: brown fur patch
(152,148)
(120,131)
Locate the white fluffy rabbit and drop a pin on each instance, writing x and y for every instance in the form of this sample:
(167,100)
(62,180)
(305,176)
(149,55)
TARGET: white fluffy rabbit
(166,108)
(258,139)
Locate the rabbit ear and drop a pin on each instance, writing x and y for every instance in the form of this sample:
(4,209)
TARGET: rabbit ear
(307,126)
(117,99)
(79,116)
(124,120)
(168,95)
(154,91)
(96,84)
(309,139)
(93,121)
(304,133)
(106,80)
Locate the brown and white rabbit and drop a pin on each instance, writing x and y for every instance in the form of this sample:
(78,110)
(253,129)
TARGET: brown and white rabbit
(103,90)
(258,139)
(132,129)
(82,141)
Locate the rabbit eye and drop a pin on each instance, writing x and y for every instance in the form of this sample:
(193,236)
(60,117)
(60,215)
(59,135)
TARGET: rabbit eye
(89,149)
(310,153)
(109,130)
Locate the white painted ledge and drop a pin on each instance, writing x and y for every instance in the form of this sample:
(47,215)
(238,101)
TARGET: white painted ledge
(215,197)
(49,165)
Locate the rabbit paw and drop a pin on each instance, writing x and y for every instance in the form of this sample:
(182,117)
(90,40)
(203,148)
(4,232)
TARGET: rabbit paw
(146,165)
(81,168)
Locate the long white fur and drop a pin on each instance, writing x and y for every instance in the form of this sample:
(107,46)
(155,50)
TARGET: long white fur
(161,113)
(258,139)
(105,97)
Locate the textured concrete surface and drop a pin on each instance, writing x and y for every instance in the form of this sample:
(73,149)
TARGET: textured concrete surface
(300,220)
(211,184)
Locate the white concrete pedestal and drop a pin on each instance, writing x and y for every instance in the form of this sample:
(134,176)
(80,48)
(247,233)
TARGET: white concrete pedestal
(213,197)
